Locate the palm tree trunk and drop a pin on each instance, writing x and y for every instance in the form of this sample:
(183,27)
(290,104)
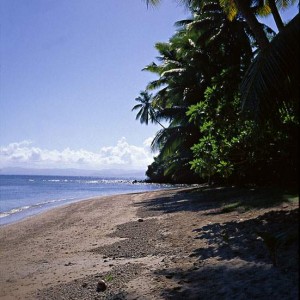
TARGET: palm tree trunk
(253,23)
(276,15)
(160,124)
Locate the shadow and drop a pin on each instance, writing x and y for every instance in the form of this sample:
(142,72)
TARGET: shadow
(229,281)
(236,264)
(241,238)
(213,199)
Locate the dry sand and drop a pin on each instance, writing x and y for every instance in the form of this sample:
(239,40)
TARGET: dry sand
(171,244)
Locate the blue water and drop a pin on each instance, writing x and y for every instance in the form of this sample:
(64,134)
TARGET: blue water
(22,196)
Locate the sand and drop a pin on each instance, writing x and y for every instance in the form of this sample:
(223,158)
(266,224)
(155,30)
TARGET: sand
(170,244)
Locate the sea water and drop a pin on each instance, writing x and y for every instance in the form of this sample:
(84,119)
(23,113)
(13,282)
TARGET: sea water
(22,196)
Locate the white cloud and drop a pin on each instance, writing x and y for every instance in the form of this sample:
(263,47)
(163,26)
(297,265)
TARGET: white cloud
(122,155)
(148,141)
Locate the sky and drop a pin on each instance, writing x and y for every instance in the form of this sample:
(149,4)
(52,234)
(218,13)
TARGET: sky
(70,71)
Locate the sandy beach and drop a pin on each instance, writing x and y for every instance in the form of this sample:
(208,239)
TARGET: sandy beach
(170,244)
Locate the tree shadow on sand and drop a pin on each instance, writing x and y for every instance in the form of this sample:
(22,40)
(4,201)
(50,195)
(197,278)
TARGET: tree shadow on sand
(235,262)
(243,239)
(230,280)
(213,198)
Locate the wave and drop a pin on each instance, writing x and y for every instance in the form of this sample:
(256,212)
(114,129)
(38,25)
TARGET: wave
(89,181)
(56,180)
(27,207)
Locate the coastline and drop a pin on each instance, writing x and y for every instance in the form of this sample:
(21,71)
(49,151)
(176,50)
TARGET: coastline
(144,245)
(25,196)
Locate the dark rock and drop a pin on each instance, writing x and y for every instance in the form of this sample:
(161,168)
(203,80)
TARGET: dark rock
(101,286)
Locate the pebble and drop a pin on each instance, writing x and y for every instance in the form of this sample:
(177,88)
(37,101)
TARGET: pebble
(101,286)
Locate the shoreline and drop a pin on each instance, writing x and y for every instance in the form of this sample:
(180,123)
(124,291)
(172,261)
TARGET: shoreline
(24,214)
(145,245)
(17,214)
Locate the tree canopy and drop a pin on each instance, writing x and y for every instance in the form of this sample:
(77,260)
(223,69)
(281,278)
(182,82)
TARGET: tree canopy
(227,89)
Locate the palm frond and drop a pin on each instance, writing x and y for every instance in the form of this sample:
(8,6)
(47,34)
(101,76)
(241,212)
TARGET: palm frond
(156,84)
(230,8)
(183,23)
(284,4)
(153,67)
(152,2)
(266,77)
(173,72)
(138,106)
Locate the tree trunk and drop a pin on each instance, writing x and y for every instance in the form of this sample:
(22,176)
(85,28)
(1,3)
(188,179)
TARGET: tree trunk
(160,124)
(276,15)
(253,23)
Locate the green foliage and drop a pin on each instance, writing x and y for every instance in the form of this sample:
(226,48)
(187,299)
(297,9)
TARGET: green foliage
(198,94)
(222,132)
(271,82)
(230,207)
(109,278)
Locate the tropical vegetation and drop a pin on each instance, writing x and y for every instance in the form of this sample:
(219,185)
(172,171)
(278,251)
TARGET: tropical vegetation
(226,97)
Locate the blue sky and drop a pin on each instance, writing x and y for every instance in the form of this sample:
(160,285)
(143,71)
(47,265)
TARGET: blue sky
(70,71)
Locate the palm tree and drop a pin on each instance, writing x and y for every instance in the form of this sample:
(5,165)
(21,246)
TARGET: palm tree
(254,85)
(245,8)
(272,78)
(275,5)
(275,13)
(194,56)
(146,111)
(232,7)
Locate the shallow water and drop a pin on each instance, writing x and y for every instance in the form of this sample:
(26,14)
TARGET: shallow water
(22,196)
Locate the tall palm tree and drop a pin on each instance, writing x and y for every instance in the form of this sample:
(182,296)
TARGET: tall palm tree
(198,52)
(255,84)
(245,8)
(146,111)
(232,7)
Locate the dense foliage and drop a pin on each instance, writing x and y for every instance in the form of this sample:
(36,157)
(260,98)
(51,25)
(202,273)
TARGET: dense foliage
(207,72)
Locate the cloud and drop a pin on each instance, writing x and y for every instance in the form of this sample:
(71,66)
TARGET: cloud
(122,155)
(147,142)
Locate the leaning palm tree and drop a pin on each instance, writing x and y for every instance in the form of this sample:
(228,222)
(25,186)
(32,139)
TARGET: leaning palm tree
(146,111)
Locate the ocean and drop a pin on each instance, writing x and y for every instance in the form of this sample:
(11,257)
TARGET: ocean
(25,195)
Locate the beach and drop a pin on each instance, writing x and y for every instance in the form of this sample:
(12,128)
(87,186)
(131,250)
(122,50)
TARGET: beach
(168,244)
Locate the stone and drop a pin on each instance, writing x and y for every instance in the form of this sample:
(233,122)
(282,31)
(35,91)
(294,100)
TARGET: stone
(101,286)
